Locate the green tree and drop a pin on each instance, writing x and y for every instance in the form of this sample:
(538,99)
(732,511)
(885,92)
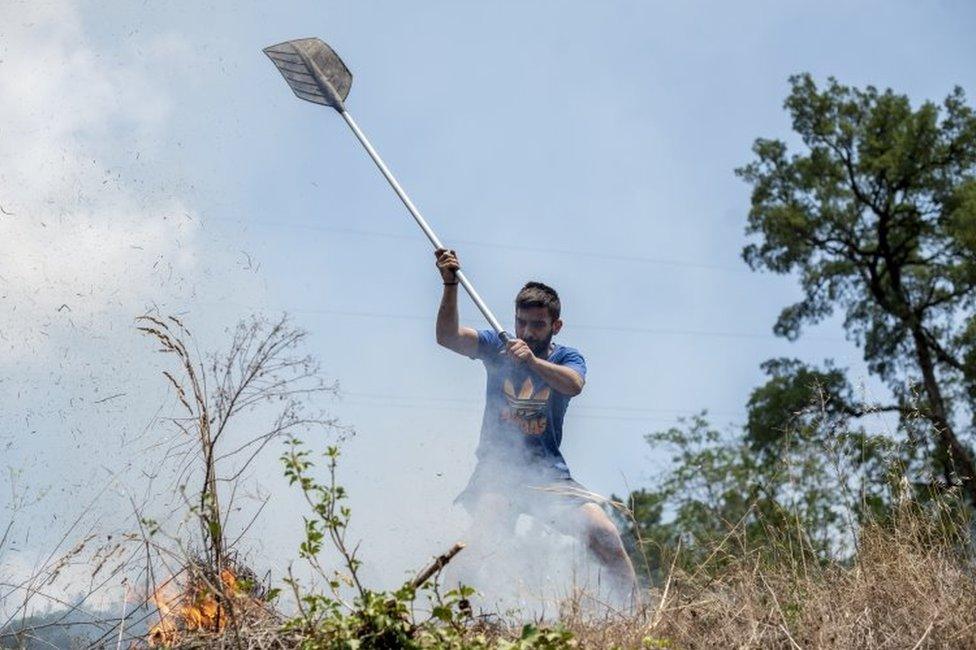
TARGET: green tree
(801,495)
(876,215)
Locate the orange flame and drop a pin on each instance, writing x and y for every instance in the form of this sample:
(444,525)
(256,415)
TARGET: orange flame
(195,607)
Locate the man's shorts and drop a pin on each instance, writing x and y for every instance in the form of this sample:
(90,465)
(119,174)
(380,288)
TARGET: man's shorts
(537,491)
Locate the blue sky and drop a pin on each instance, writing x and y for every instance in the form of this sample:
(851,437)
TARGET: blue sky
(587,145)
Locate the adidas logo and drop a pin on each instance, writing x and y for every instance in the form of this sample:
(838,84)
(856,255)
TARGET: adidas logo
(528,403)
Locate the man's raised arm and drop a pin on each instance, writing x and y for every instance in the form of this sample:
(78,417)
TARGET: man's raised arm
(450,334)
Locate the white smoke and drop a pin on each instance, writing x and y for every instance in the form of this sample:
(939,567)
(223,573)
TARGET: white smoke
(79,239)
(94,231)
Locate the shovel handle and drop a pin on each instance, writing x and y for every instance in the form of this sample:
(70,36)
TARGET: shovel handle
(431,235)
(486,312)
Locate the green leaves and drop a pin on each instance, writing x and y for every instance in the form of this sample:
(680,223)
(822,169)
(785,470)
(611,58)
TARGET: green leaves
(311,546)
(961,218)
(876,215)
(375,619)
(777,407)
(537,638)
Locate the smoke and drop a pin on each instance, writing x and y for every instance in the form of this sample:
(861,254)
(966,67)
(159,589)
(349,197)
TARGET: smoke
(537,537)
(95,229)
(97,226)
(528,551)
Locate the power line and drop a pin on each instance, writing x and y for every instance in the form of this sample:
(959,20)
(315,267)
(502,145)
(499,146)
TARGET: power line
(601,328)
(478,402)
(608,328)
(497,245)
(475,412)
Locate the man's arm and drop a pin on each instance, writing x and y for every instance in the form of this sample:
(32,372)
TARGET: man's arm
(450,334)
(562,379)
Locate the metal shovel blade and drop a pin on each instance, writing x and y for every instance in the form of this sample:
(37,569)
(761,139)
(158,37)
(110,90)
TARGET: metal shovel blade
(313,70)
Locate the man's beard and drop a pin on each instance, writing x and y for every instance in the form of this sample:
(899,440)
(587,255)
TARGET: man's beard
(539,347)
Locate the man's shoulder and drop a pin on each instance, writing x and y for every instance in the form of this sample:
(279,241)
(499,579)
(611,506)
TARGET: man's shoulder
(565,355)
(564,351)
(489,346)
(489,336)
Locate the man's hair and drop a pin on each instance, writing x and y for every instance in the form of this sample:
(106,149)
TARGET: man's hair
(536,294)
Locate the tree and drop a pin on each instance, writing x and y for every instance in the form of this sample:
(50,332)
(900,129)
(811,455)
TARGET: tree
(799,494)
(877,217)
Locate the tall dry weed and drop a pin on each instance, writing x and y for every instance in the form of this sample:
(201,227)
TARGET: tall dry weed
(910,584)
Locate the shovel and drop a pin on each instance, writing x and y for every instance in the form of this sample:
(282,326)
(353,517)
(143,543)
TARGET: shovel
(316,74)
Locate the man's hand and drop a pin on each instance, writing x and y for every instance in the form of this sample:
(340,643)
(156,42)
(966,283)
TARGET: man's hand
(447,264)
(520,351)
(450,334)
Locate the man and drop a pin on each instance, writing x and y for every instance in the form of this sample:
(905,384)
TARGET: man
(530,383)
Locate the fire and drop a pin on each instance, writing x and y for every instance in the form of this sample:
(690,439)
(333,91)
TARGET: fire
(193,607)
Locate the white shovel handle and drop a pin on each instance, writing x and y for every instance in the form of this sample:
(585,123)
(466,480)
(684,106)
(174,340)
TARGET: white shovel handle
(482,307)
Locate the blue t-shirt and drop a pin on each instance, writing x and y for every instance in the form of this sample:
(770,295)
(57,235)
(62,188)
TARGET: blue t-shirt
(523,418)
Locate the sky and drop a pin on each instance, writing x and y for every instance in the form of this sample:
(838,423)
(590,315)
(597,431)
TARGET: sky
(152,159)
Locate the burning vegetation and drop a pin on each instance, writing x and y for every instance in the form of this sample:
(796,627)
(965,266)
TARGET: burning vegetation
(198,604)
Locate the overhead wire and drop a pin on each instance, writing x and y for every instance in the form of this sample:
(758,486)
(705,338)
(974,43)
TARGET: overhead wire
(582,416)
(385,399)
(499,245)
(575,253)
(601,328)
(478,402)
(476,411)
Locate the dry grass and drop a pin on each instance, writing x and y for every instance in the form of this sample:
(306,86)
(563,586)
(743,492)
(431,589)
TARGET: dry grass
(909,583)
(908,586)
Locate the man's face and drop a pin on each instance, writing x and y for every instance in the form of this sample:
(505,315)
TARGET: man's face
(535,326)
